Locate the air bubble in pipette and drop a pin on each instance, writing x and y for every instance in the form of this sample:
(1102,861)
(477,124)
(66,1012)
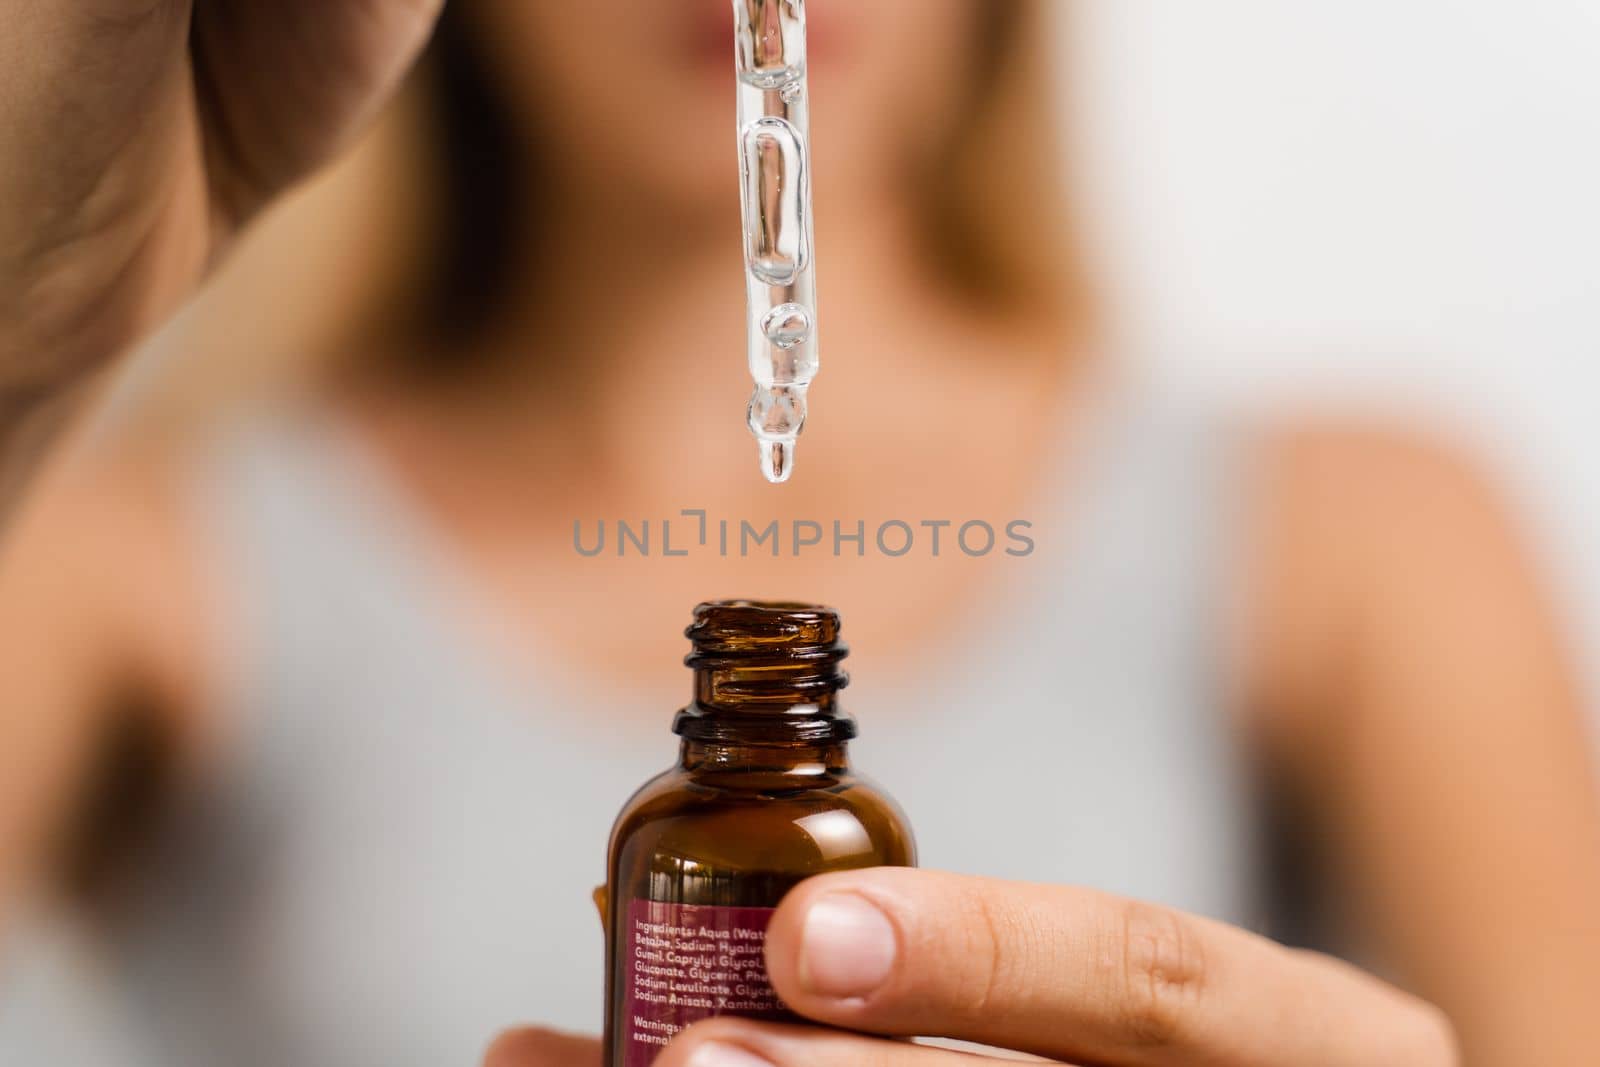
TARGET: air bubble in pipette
(777,191)
(771,42)
(787,325)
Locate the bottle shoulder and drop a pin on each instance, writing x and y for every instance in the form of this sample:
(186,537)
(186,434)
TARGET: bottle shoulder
(677,792)
(821,821)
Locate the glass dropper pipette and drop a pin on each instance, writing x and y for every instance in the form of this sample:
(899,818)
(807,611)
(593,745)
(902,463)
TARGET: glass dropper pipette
(780,270)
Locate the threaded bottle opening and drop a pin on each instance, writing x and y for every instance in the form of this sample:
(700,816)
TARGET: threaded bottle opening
(765,671)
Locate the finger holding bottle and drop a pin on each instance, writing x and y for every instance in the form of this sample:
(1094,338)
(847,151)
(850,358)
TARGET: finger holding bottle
(1063,973)
(533,1047)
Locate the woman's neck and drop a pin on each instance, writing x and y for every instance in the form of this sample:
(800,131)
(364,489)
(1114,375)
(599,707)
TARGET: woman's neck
(617,295)
(623,340)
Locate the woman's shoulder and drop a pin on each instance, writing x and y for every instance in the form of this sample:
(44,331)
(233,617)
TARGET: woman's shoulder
(1369,500)
(105,563)
(1361,534)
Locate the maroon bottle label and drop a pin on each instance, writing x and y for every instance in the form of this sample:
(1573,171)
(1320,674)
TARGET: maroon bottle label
(687,962)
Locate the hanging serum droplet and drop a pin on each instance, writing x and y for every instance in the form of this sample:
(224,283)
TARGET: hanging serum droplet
(780,273)
(776,460)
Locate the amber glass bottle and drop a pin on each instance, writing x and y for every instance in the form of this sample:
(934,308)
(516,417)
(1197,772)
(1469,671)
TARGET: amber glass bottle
(761,798)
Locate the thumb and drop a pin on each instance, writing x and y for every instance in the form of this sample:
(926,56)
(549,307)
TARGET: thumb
(542,1048)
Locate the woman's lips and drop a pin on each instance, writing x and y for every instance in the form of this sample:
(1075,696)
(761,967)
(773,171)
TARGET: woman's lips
(708,33)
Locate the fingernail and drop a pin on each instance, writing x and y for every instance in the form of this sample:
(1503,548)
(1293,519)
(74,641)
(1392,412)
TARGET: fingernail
(847,947)
(716,1054)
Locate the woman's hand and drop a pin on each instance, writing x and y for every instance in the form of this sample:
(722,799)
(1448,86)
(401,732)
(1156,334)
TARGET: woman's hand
(1062,973)
(138,136)
(542,1048)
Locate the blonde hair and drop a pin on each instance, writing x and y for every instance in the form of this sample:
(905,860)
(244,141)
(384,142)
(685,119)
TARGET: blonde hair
(1001,211)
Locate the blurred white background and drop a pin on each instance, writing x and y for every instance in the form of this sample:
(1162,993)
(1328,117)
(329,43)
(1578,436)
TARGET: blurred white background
(1384,201)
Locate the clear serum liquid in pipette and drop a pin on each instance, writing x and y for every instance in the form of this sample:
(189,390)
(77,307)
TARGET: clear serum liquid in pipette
(780,270)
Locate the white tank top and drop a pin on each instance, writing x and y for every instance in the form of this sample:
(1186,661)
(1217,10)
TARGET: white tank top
(401,862)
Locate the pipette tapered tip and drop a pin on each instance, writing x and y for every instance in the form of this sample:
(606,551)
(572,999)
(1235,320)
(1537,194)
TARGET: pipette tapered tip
(777,460)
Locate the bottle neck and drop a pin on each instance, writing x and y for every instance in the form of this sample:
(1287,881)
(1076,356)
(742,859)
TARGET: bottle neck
(831,757)
(765,675)
(758,685)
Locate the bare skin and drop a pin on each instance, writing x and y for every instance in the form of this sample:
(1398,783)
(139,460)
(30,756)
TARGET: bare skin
(140,136)
(1398,660)
(1047,971)
(1398,663)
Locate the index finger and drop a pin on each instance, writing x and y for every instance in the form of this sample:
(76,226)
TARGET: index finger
(1077,975)
(535,1047)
